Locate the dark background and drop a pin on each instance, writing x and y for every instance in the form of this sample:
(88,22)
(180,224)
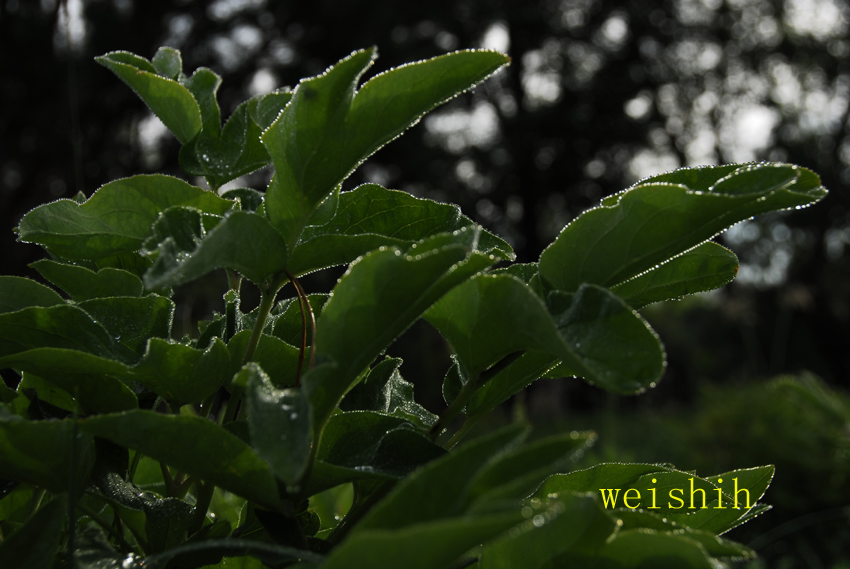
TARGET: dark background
(598,95)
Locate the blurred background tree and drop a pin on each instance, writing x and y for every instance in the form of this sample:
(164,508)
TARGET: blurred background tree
(600,94)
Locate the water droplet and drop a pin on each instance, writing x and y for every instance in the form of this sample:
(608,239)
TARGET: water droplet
(538,521)
(534,503)
(527,512)
(553,495)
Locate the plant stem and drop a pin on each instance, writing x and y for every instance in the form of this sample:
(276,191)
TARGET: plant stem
(304,304)
(303,349)
(205,494)
(170,486)
(183,487)
(266,303)
(468,423)
(136,458)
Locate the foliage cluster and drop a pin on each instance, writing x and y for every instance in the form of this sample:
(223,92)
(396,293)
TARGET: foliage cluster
(797,423)
(277,412)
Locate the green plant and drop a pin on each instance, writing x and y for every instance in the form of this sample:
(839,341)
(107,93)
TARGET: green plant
(123,447)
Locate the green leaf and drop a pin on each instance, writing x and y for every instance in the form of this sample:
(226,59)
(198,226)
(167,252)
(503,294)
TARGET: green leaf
(6,395)
(454,380)
(236,152)
(181,374)
(166,520)
(743,488)
(278,359)
(204,84)
(365,314)
(132,262)
(611,476)
(706,267)
(83,284)
(264,109)
(384,390)
(17,293)
(429,545)
(185,226)
(193,445)
(366,444)
(34,387)
(329,127)
(681,497)
(15,506)
(518,473)
(370,217)
(574,522)
(167,523)
(170,101)
(63,326)
(168,62)
(613,346)
(440,489)
(593,332)
(116,219)
(90,379)
(132,321)
(616,241)
(279,420)
(717,547)
(36,543)
(491,316)
(43,452)
(243,241)
(249,199)
(647,548)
